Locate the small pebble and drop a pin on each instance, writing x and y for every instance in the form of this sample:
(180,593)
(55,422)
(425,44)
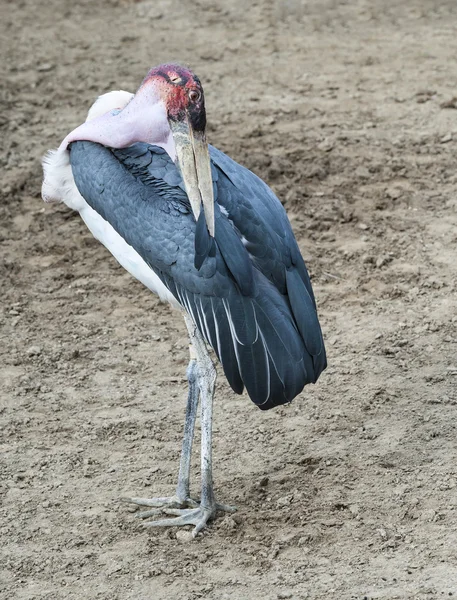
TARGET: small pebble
(228,523)
(45,67)
(184,536)
(34,351)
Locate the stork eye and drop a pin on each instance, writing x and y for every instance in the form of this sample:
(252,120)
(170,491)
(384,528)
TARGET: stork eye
(194,95)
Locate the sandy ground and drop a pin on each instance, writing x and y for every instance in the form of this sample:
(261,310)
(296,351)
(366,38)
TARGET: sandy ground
(347,108)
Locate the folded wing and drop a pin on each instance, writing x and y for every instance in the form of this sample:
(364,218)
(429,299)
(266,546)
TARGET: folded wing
(247,290)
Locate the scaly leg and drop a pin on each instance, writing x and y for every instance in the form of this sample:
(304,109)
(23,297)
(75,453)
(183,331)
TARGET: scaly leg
(182,497)
(206,377)
(182,490)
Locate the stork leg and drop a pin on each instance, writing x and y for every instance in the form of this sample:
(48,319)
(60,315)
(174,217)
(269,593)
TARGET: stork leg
(201,375)
(182,497)
(182,490)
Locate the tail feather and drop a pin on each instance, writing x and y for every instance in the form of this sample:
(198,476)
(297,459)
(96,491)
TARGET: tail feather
(225,348)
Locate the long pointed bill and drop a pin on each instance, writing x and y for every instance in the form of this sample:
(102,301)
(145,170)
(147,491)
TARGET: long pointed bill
(194,162)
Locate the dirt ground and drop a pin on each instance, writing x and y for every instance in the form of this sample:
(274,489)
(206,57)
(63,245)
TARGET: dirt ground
(348,109)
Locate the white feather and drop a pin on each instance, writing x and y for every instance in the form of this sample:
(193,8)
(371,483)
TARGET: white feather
(208,336)
(110,101)
(232,332)
(58,183)
(216,327)
(265,349)
(189,308)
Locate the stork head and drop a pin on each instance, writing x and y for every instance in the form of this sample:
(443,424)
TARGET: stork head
(181,92)
(168,110)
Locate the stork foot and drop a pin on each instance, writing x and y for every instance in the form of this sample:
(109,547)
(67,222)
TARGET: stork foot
(198,517)
(186,512)
(190,516)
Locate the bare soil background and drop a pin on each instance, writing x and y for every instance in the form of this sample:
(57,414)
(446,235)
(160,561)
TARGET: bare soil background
(348,109)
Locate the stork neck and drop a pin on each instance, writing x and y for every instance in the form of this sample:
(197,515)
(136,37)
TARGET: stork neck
(169,147)
(144,119)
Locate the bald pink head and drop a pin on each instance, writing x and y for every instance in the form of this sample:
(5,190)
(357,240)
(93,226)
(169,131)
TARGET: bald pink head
(168,94)
(181,92)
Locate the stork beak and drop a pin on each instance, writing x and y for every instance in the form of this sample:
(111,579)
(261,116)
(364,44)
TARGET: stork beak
(194,162)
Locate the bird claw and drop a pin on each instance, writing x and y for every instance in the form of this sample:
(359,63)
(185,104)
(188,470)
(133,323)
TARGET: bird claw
(186,512)
(186,516)
(225,508)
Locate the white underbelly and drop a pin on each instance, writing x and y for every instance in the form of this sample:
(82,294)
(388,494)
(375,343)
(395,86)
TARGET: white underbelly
(125,254)
(59,185)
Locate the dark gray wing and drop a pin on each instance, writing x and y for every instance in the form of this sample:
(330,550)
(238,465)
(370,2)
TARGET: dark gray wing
(242,314)
(260,218)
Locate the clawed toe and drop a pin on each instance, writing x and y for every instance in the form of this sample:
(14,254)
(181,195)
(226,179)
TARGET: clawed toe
(145,514)
(225,508)
(160,503)
(193,516)
(186,512)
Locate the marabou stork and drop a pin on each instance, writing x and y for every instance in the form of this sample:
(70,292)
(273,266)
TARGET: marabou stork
(205,234)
